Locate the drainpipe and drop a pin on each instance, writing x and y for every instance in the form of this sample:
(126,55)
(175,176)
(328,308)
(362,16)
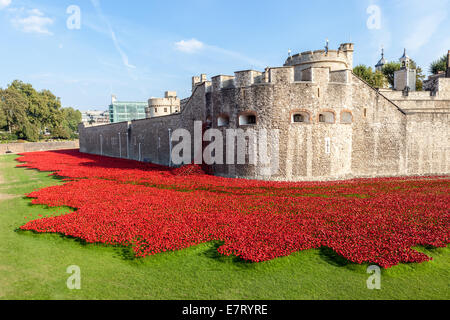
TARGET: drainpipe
(120,147)
(101,144)
(139,151)
(170,147)
(128,148)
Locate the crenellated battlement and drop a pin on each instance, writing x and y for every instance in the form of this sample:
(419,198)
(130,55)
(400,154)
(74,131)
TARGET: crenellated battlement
(247,78)
(334,59)
(222,82)
(300,67)
(286,74)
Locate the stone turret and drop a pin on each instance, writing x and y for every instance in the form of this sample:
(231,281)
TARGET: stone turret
(379,66)
(196,80)
(341,59)
(158,107)
(405,78)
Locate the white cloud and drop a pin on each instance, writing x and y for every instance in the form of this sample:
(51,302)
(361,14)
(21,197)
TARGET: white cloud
(125,61)
(189,46)
(35,12)
(35,22)
(195,46)
(424,29)
(4,3)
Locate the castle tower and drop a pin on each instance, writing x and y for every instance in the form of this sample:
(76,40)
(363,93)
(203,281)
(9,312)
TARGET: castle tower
(341,59)
(379,66)
(405,78)
(198,80)
(348,49)
(158,107)
(405,60)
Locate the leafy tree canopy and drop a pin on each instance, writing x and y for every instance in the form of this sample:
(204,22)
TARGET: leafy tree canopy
(375,79)
(390,68)
(28,113)
(438,65)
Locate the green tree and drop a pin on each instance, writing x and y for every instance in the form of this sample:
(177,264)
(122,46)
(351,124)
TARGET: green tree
(438,65)
(71,119)
(420,77)
(29,113)
(375,79)
(43,107)
(13,107)
(364,72)
(389,70)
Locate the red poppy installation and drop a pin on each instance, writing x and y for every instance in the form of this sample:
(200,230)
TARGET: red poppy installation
(155,209)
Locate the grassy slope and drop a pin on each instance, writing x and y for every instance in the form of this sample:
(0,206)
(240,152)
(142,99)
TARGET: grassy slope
(33,266)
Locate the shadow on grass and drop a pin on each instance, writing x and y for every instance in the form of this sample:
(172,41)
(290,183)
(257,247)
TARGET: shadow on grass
(79,241)
(51,174)
(212,253)
(331,257)
(126,253)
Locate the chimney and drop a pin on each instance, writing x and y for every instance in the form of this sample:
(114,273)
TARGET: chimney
(448,65)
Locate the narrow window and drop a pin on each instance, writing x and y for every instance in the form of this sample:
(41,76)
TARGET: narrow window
(346,117)
(251,119)
(326,117)
(247,119)
(300,117)
(165,110)
(223,121)
(208,122)
(365,112)
(327,145)
(156,110)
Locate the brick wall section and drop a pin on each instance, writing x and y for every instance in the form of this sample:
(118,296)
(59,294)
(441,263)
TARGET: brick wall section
(37,146)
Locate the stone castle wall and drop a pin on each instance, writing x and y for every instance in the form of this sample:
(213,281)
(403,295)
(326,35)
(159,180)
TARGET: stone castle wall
(350,129)
(437,100)
(142,140)
(381,140)
(428,143)
(37,146)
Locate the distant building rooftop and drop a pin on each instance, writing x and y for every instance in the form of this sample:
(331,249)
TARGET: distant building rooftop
(120,111)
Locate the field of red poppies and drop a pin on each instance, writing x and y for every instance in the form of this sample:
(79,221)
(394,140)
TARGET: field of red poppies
(155,209)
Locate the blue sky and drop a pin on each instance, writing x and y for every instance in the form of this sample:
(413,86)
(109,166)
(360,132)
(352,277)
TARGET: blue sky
(137,49)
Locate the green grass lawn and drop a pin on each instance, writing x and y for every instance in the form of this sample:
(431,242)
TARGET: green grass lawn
(33,266)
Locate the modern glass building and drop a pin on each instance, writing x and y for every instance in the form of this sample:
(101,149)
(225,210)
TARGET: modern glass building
(120,111)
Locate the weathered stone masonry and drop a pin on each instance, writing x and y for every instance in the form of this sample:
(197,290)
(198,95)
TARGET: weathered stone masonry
(370,132)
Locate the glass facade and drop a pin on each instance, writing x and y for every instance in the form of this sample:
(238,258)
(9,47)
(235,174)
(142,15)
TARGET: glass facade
(126,111)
